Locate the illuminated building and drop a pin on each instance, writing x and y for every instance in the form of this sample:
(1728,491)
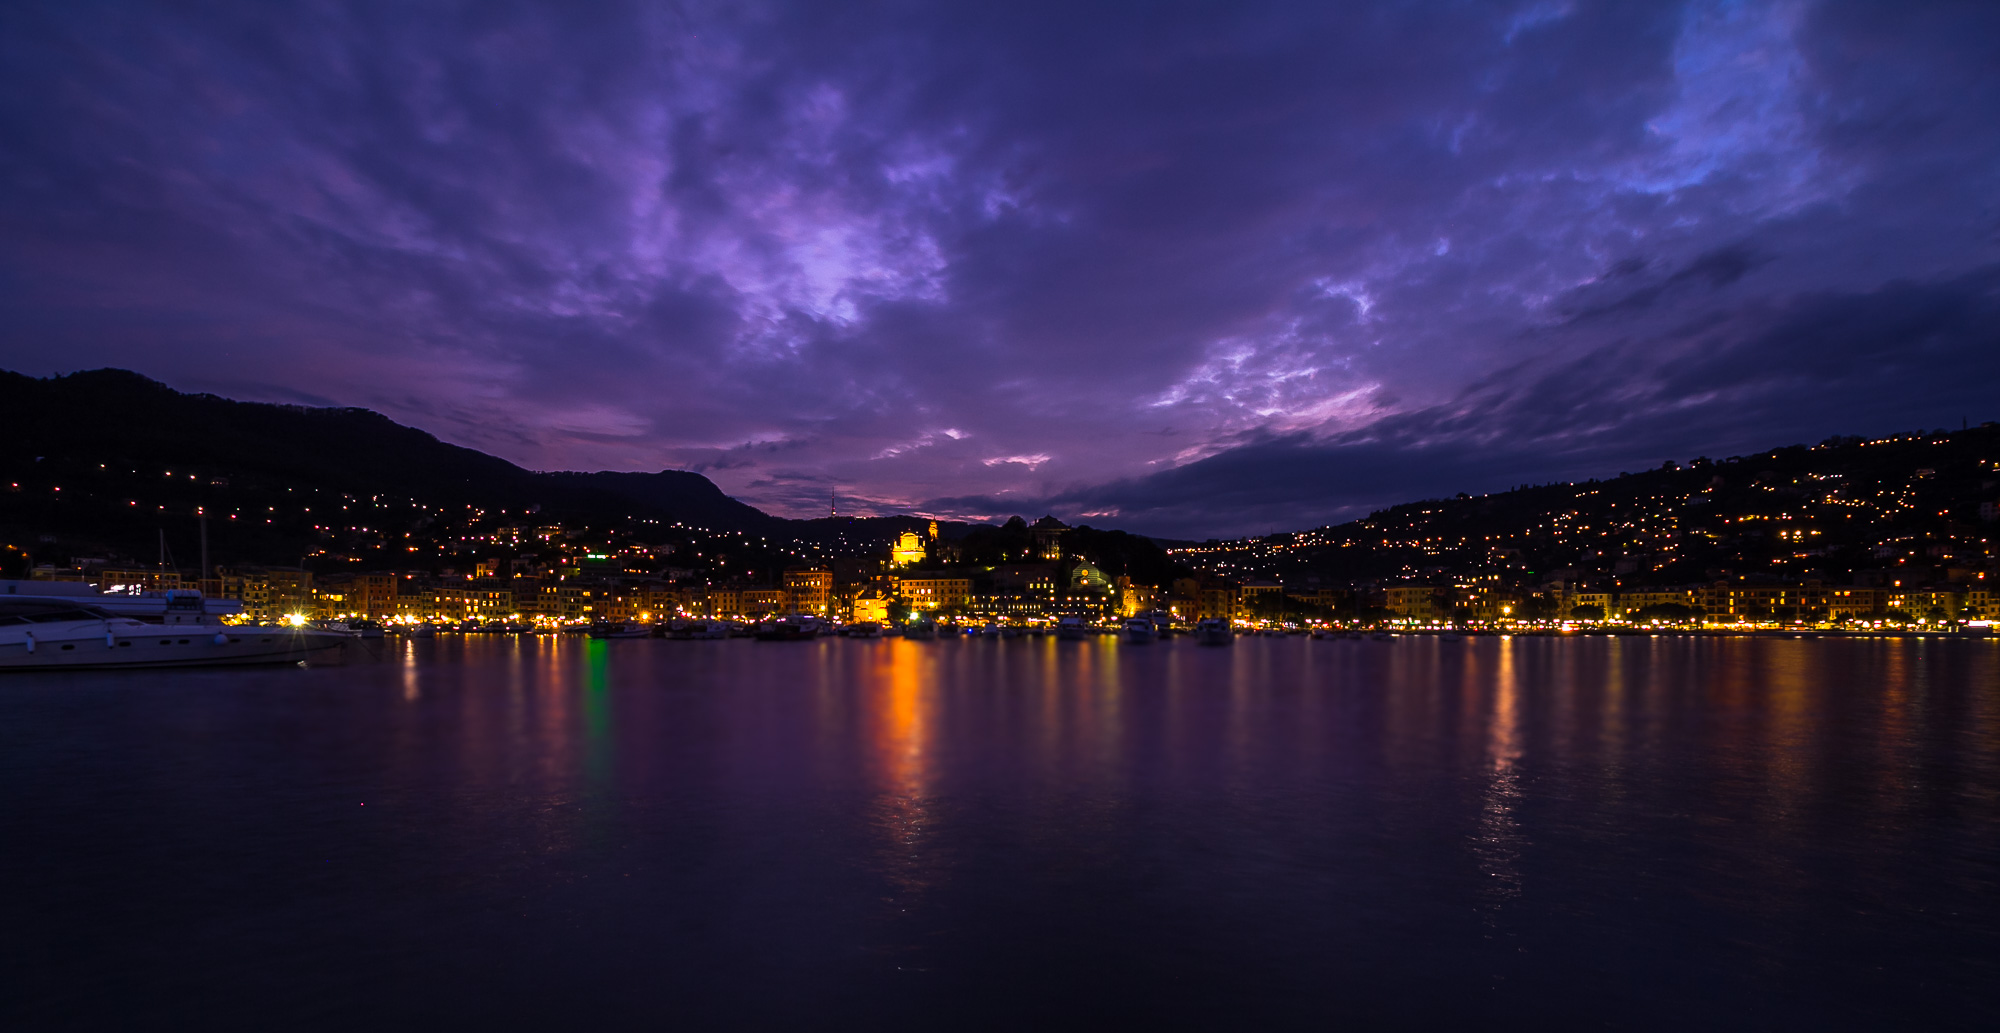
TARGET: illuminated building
(756,602)
(908,550)
(372,596)
(873,604)
(811,591)
(936,593)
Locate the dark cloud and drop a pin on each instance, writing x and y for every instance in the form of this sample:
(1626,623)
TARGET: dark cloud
(951,255)
(1813,366)
(1712,270)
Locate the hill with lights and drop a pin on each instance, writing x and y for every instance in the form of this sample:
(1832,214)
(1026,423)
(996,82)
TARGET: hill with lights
(109,461)
(1913,507)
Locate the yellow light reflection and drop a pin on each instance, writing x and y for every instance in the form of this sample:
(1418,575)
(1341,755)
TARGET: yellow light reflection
(1499,842)
(901,678)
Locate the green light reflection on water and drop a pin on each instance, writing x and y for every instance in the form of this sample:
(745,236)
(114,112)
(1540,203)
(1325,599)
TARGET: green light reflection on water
(597,747)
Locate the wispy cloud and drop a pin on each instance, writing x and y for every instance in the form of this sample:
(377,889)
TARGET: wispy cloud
(797,246)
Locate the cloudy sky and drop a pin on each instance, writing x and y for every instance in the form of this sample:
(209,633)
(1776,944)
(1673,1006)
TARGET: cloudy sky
(1187,269)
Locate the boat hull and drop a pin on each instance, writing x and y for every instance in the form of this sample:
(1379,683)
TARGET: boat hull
(174,647)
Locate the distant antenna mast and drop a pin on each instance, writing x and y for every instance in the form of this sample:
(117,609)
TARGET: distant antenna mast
(167,555)
(833,505)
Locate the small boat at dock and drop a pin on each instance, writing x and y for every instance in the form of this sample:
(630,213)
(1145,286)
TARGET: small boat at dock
(794,628)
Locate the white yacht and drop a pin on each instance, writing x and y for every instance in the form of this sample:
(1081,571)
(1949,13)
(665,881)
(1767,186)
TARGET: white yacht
(73,631)
(1141,629)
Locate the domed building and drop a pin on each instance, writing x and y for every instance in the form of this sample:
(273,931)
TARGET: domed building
(911,548)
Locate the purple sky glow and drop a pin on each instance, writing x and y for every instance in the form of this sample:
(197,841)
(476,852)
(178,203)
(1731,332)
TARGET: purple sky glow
(1189,269)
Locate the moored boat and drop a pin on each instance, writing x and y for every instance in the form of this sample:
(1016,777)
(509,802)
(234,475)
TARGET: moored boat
(72,633)
(697,629)
(1140,629)
(1072,629)
(1214,631)
(621,629)
(793,628)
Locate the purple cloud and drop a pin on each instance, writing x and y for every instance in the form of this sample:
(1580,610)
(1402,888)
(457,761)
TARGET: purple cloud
(1107,260)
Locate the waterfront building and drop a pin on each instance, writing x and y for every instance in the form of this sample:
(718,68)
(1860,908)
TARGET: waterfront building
(1603,599)
(561,600)
(872,603)
(1260,597)
(1934,603)
(1418,602)
(1133,600)
(271,593)
(1634,600)
(758,602)
(370,596)
(935,593)
(1729,602)
(810,590)
(1216,599)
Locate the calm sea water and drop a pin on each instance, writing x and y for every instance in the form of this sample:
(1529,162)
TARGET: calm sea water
(1618,833)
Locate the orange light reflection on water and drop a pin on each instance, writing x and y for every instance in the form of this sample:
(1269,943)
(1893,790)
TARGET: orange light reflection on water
(901,678)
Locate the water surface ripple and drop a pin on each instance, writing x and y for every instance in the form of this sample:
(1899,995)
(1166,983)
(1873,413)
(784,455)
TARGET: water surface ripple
(1646,833)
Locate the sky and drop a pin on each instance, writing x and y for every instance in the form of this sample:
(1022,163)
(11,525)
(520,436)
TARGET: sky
(1185,269)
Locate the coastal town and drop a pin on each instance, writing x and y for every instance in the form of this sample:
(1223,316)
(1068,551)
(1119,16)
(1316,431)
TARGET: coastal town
(565,584)
(296,515)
